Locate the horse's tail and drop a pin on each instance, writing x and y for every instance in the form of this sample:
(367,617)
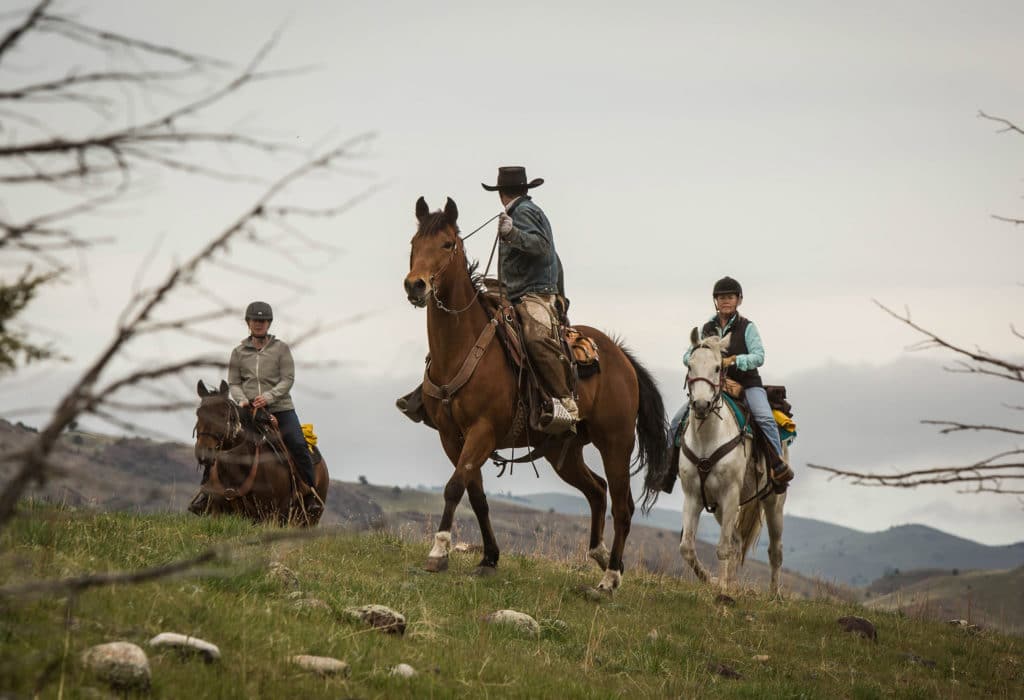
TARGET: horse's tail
(750,519)
(652,433)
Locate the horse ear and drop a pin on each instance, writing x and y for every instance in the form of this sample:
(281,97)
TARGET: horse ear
(724,342)
(694,336)
(223,387)
(451,212)
(201,390)
(421,209)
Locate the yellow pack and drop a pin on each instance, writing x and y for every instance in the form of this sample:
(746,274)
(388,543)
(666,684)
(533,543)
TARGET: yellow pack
(307,432)
(784,421)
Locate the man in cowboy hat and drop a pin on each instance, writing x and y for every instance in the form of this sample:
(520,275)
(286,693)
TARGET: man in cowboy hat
(531,274)
(532,277)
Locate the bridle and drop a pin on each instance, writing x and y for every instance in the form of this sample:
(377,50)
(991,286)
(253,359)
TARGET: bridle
(433,289)
(716,387)
(455,248)
(234,428)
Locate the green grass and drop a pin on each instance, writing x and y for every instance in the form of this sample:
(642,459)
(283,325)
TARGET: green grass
(605,650)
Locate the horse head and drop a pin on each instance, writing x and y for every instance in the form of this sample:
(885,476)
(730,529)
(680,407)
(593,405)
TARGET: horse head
(435,246)
(218,422)
(706,374)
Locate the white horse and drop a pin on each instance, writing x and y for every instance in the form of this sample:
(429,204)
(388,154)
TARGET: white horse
(731,480)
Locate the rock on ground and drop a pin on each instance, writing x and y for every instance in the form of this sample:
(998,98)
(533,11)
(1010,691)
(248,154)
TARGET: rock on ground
(121,664)
(324,665)
(514,618)
(859,625)
(186,644)
(403,670)
(284,575)
(380,617)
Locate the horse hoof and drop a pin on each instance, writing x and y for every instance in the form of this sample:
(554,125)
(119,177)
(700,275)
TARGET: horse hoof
(591,593)
(436,565)
(610,581)
(484,571)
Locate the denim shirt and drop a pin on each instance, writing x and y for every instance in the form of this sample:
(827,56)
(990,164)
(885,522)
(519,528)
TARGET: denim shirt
(755,355)
(527,260)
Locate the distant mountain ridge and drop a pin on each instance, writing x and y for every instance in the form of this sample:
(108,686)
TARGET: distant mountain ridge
(833,552)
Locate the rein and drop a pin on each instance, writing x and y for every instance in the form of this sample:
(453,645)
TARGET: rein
(213,486)
(706,464)
(462,240)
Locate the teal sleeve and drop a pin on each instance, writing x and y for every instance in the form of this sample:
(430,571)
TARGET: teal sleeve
(754,356)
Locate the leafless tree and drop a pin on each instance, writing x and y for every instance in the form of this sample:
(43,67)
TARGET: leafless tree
(1002,472)
(86,165)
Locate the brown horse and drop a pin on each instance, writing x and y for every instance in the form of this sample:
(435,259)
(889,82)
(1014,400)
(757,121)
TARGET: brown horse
(617,405)
(248,474)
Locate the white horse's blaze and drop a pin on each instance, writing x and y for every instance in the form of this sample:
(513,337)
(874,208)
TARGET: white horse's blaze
(610,581)
(601,555)
(442,545)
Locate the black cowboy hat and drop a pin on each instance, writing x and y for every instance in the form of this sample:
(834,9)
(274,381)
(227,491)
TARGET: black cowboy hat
(512,176)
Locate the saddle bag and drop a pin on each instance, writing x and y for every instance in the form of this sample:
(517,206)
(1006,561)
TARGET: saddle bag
(584,352)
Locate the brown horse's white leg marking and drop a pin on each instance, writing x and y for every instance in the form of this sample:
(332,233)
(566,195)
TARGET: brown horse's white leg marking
(437,560)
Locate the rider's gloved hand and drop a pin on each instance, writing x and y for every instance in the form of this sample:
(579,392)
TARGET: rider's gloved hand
(504,224)
(728,361)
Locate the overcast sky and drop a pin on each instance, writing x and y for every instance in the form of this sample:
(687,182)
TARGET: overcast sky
(822,155)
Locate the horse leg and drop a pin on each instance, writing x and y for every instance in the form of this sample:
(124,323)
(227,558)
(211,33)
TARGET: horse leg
(773,519)
(575,472)
(467,459)
(728,507)
(615,456)
(688,541)
(478,499)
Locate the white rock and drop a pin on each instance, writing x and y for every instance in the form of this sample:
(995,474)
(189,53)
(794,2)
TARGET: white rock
(181,642)
(460,547)
(516,619)
(403,670)
(383,618)
(121,664)
(324,665)
(284,575)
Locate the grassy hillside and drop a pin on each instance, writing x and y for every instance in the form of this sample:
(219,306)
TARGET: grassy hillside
(836,553)
(659,636)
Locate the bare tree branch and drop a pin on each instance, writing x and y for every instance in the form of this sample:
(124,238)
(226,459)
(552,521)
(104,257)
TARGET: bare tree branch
(1007,124)
(12,37)
(1014,371)
(955,427)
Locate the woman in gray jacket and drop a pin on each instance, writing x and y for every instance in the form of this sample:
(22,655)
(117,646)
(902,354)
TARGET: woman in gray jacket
(261,372)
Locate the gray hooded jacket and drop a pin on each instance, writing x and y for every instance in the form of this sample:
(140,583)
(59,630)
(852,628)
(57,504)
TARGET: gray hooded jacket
(268,372)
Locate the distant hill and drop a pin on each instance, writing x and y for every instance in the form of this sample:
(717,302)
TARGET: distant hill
(832,552)
(989,598)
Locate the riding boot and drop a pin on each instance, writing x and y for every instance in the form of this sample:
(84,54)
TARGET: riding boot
(411,405)
(199,504)
(782,474)
(312,504)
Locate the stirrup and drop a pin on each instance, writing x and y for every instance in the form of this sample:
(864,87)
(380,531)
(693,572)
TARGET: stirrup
(558,421)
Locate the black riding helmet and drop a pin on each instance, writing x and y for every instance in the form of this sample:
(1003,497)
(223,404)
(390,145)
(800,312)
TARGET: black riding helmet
(727,285)
(259,311)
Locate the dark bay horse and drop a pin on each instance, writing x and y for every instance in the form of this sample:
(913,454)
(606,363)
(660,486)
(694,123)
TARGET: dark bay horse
(247,474)
(618,405)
